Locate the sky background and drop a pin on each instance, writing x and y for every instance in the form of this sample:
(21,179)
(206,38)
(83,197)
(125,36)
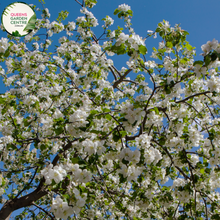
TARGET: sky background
(198,17)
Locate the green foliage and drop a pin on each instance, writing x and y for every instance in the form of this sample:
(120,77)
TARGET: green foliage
(62,16)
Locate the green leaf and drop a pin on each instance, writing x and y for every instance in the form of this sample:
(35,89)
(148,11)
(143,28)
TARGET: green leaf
(75,160)
(2,100)
(159,56)
(116,11)
(13,103)
(130,12)
(211,136)
(122,179)
(202,171)
(58,130)
(125,161)
(189,47)
(123,133)
(43,147)
(66,196)
(119,50)
(142,49)
(62,16)
(214,56)
(94,112)
(116,137)
(198,62)
(207,59)
(105,110)
(162,140)
(156,110)
(108,117)
(216,216)
(185,33)
(169,44)
(31,23)
(184,60)
(167,89)
(218,54)
(7,53)
(122,119)
(121,14)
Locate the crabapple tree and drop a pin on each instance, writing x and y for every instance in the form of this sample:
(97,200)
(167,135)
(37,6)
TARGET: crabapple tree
(83,139)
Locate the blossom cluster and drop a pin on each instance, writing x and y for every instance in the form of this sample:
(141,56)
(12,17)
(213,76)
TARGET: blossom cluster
(3,45)
(210,45)
(134,40)
(61,209)
(56,173)
(124,7)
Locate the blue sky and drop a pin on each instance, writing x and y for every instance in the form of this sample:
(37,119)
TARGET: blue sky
(199,17)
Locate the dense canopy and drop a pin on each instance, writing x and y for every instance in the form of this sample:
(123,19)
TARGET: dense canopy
(83,139)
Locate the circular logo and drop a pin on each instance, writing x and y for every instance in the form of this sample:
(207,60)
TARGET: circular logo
(18,19)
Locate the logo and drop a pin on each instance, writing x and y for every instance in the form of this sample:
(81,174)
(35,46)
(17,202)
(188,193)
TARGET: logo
(18,19)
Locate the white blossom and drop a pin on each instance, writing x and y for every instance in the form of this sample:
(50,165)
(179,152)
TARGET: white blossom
(124,7)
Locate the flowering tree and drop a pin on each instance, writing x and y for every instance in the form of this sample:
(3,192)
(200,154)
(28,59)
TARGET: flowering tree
(75,145)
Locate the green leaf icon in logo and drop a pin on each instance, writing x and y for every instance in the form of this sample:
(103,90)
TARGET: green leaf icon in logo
(31,23)
(8,8)
(16,34)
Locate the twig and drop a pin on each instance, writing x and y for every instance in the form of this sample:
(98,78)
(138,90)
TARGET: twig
(79,3)
(189,97)
(43,210)
(27,184)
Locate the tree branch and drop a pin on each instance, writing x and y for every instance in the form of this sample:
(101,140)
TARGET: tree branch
(197,94)
(27,200)
(121,78)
